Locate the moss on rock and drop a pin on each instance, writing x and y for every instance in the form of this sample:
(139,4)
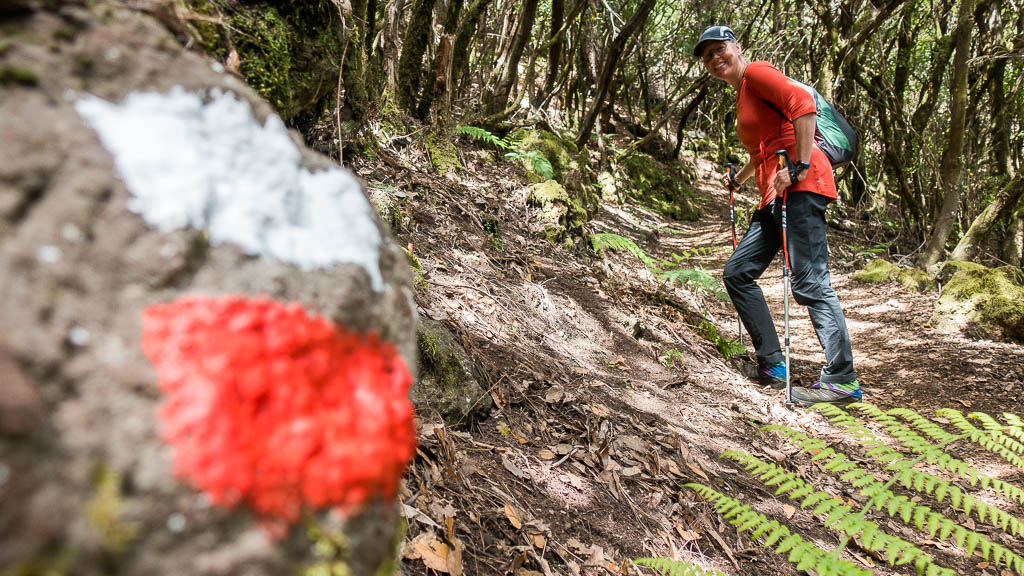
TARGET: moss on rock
(560,152)
(983,302)
(658,186)
(446,386)
(562,214)
(443,153)
(879,271)
(288,51)
(387,206)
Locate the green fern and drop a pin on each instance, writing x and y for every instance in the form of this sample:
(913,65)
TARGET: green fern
(605,241)
(898,506)
(483,136)
(932,454)
(992,440)
(669,567)
(696,277)
(836,515)
(805,555)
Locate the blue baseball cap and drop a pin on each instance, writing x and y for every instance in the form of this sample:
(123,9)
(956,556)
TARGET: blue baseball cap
(714,33)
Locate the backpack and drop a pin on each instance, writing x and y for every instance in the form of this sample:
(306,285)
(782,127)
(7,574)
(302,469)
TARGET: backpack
(833,135)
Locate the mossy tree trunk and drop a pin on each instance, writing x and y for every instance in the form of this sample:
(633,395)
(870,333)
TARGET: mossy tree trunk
(414,45)
(354,68)
(496,100)
(1001,209)
(951,157)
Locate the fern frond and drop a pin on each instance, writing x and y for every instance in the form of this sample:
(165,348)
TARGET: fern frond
(668,567)
(835,515)
(482,135)
(932,453)
(899,506)
(696,277)
(992,440)
(805,555)
(615,243)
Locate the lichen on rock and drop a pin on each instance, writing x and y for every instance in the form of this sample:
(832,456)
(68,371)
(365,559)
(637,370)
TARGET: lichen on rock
(982,302)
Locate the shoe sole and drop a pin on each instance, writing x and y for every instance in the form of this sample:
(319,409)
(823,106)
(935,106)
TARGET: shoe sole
(838,402)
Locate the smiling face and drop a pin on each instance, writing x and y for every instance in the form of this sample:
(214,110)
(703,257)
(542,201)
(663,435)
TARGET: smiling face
(723,60)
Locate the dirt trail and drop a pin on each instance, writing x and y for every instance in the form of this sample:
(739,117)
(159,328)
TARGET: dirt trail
(608,399)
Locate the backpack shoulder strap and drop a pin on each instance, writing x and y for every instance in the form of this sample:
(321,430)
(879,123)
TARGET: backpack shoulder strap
(766,101)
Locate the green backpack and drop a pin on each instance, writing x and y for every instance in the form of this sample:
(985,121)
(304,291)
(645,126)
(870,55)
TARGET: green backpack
(833,135)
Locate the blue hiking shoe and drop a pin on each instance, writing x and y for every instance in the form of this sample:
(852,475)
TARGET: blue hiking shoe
(827,393)
(773,375)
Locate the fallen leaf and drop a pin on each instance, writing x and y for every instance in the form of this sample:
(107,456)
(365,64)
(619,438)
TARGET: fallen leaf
(511,467)
(512,516)
(539,541)
(788,510)
(233,63)
(698,472)
(982,565)
(432,551)
(631,471)
(545,454)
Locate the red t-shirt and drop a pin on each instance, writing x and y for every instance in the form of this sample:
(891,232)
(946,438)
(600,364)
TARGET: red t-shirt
(763,131)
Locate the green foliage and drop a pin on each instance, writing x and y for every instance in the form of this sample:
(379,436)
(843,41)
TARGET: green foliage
(512,145)
(669,567)
(663,269)
(836,515)
(805,555)
(483,136)
(727,347)
(904,471)
(671,357)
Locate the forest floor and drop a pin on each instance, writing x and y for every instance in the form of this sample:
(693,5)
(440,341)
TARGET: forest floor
(607,398)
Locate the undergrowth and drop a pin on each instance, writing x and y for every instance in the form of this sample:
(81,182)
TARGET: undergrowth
(663,269)
(898,474)
(511,145)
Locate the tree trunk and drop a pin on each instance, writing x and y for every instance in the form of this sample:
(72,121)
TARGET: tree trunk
(451,24)
(497,100)
(1001,208)
(556,40)
(389,46)
(414,45)
(460,56)
(611,62)
(685,115)
(952,161)
(353,71)
(441,90)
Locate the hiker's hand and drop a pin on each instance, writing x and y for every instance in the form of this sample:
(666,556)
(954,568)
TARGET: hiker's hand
(729,182)
(781,181)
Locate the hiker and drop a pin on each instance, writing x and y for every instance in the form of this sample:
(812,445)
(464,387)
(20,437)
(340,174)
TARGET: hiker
(764,95)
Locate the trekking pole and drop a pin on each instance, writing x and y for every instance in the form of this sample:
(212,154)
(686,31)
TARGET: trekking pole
(785,162)
(732,221)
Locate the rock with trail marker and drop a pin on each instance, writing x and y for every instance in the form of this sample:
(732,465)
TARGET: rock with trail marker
(208,323)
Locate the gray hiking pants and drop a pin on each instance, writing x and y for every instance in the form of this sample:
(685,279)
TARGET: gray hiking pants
(812,285)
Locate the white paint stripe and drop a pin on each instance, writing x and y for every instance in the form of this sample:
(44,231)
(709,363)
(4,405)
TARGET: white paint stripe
(212,166)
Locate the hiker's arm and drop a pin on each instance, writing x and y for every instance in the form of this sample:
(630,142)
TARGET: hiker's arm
(745,173)
(803,127)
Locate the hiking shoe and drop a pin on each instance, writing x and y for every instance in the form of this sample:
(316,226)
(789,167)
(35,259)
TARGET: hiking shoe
(827,393)
(772,375)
